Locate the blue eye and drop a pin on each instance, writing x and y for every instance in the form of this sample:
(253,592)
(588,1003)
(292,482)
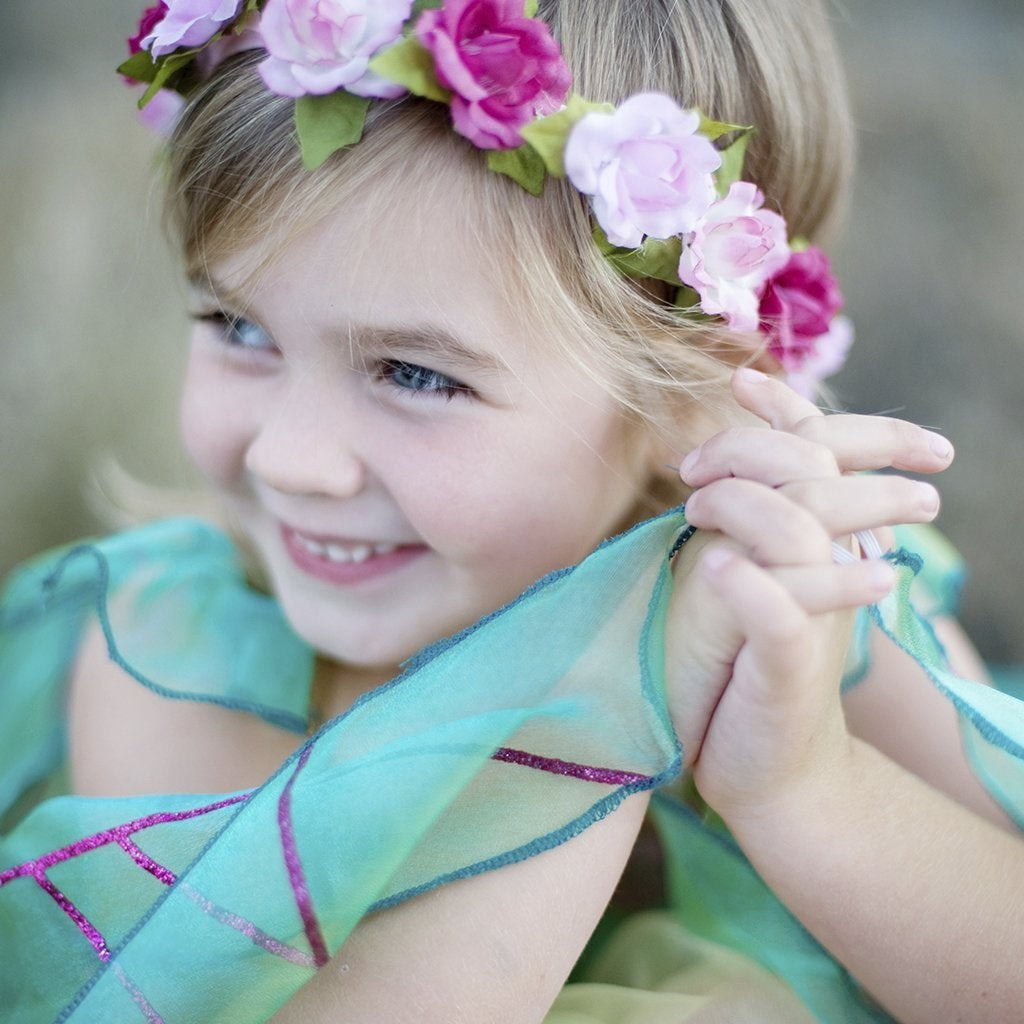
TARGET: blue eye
(237,332)
(411,377)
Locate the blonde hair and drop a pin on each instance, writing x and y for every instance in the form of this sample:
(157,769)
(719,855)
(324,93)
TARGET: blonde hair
(235,176)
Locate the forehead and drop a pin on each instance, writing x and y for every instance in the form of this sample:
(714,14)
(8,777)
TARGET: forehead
(406,253)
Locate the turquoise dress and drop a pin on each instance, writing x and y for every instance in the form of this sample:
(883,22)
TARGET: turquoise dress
(491,747)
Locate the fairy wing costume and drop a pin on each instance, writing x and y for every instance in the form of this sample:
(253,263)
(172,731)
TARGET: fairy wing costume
(491,747)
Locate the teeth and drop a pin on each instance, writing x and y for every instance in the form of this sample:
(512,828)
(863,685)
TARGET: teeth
(314,547)
(343,553)
(336,553)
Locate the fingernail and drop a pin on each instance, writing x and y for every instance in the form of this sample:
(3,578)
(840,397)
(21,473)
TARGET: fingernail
(940,446)
(689,462)
(750,374)
(928,497)
(881,577)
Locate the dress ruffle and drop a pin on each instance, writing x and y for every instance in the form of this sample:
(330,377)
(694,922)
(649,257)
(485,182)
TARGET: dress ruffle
(490,747)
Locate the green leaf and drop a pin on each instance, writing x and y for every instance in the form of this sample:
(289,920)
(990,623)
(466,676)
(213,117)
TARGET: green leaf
(328,123)
(686,298)
(167,68)
(548,135)
(732,163)
(715,129)
(411,64)
(530,8)
(139,66)
(523,165)
(657,257)
(423,5)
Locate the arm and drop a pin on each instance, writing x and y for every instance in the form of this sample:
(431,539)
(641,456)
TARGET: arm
(497,947)
(898,710)
(916,894)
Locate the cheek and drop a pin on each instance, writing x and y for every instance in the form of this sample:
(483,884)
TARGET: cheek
(210,431)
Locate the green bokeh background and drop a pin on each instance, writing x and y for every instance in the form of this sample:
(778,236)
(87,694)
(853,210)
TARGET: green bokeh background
(92,335)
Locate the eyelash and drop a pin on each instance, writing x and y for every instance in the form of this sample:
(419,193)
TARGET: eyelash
(230,331)
(420,379)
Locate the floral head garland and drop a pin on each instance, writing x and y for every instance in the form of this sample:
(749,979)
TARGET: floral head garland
(667,203)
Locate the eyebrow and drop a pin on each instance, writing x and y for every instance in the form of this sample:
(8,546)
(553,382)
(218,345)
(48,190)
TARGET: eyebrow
(424,339)
(428,340)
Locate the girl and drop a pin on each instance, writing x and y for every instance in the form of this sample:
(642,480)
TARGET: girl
(418,389)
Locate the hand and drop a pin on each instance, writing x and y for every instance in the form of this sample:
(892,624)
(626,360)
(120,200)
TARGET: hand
(760,643)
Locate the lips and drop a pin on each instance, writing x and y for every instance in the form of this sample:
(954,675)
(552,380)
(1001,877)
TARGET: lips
(346,561)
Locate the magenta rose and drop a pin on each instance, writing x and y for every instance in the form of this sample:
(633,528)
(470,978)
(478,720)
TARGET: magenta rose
(824,357)
(798,306)
(318,46)
(503,68)
(646,166)
(736,247)
(151,17)
(188,23)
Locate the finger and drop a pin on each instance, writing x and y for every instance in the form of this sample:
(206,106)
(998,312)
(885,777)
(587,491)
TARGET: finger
(878,442)
(771,528)
(771,457)
(748,590)
(857,442)
(772,399)
(819,589)
(847,504)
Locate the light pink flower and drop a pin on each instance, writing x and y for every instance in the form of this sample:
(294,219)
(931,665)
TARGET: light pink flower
(188,23)
(798,305)
(648,170)
(161,113)
(736,247)
(503,68)
(319,46)
(823,358)
(208,59)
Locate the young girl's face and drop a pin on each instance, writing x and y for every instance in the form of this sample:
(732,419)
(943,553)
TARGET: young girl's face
(405,449)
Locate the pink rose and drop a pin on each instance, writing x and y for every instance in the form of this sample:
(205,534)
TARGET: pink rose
(648,170)
(503,68)
(319,46)
(825,357)
(188,23)
(798,306)
(736,247)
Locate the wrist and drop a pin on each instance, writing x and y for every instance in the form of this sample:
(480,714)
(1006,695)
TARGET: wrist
(810,792)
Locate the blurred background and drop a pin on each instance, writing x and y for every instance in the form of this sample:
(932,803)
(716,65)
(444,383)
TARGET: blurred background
(92,335)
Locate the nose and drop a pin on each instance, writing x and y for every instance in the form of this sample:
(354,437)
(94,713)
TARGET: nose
(307,445)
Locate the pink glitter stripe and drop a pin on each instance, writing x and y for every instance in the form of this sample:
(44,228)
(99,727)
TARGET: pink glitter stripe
(296,876)
(255,934)
(143,859)
(589,773)
(137,997)
(119,835)
(84,925)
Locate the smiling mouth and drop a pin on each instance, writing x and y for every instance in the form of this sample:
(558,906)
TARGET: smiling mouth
(343,562)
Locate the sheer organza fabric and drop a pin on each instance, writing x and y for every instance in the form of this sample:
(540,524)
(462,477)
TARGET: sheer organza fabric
(491,747)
